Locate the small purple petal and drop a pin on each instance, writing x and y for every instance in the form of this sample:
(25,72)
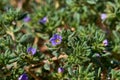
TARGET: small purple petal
(23,77)
(27,19)
(103,16)
(53,43)
(31,50)
(43,21)
(105,42)
(60,70)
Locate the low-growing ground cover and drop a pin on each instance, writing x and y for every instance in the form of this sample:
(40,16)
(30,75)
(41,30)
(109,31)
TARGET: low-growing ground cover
(59,40)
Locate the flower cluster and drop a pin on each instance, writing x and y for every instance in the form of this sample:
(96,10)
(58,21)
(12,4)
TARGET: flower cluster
(103,16)
(31,50)
(60,70)
(43,20)
(23,77)
(27,19)
(56,39)
(105,42)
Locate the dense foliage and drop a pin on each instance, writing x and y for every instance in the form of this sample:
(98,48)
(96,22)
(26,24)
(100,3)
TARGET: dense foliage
(59,39)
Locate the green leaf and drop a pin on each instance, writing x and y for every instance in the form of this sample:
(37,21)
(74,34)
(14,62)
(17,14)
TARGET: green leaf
(47,66)
(69,2)
(25,37)
(77,17)
(69,71)
(91,1)
(22,16)
(106,54)
(88,68)
(99,72)
(55,53)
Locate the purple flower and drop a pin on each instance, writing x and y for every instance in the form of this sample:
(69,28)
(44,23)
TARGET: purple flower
(43,20)
(103,16)
(60,70)
(23,77)
(27,19)
(105,42)
(56,39)
(31,50)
